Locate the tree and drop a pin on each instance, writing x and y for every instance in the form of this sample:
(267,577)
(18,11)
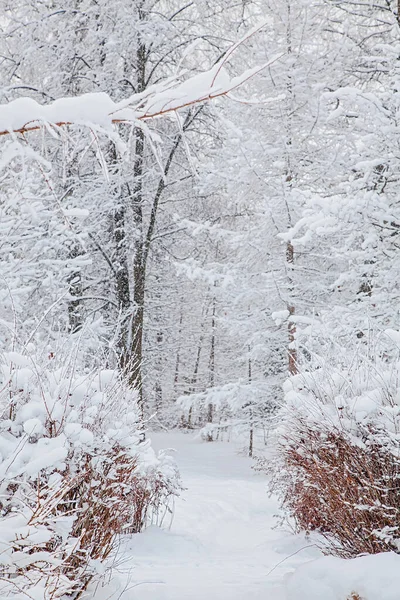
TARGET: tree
(129,208)
(354,219)
(262,170)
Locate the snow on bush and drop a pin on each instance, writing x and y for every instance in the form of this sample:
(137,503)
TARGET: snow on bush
(337,468)
(364,578)
(73,475)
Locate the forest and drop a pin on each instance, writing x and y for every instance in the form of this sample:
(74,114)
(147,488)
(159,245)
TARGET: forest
(199,303)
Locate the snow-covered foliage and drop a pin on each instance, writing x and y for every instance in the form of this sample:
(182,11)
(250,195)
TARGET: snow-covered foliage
(74,473)
(110,179)
(337,463)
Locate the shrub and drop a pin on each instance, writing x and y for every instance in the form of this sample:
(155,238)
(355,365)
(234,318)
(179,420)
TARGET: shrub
(74,475)
(338,461)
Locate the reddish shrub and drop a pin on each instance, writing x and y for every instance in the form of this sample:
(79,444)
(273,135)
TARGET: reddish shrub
(110,499)
(348,492)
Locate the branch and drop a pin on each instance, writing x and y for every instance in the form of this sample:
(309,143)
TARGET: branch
(162,184)
(98,110)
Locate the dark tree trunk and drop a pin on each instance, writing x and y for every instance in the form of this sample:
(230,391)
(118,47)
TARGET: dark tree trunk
(131,285)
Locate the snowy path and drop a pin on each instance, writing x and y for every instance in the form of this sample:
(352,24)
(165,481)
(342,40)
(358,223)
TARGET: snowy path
(221,545)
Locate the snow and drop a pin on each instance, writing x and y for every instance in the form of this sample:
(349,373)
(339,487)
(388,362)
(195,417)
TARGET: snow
(393,335)
(373,577)
(222,543)
(25,112)
(280,316)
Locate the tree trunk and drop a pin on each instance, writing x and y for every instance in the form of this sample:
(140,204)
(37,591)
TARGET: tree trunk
(251,416)
(132,290)
(292,352)
(132,303)
(178,354)
(290,176)
(75,317)
(210,408)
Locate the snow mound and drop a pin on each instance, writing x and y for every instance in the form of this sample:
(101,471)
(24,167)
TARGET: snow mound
(372,577)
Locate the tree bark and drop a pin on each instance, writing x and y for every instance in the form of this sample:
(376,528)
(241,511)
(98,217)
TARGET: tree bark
(292,352)
(131,288)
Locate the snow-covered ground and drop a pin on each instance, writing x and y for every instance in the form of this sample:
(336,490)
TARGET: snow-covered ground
(222,544)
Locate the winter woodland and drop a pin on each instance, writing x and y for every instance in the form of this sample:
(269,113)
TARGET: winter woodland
(199,250)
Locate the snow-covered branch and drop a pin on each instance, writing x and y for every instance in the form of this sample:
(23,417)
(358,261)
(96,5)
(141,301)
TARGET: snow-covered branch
(99,110)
